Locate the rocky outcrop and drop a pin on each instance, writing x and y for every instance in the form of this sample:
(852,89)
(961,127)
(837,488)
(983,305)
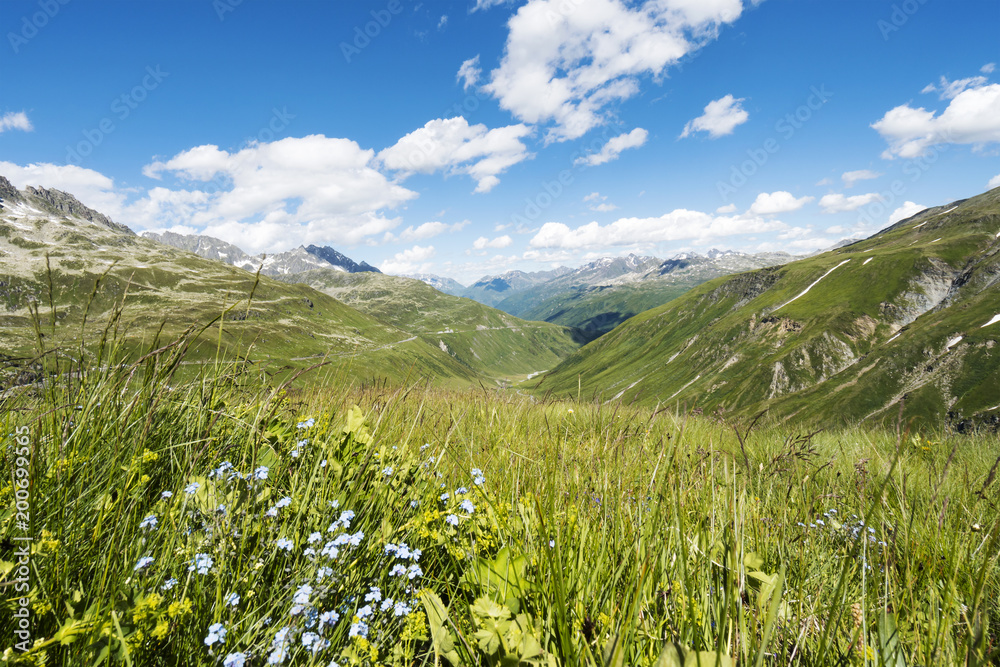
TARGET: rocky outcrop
(62,203)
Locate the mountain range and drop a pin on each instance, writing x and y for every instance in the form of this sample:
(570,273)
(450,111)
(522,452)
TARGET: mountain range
(904,323)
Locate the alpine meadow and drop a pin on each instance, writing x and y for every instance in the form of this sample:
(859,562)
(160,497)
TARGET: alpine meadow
(610,333)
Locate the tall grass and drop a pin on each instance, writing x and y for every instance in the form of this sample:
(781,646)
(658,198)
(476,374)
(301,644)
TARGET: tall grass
(351,523)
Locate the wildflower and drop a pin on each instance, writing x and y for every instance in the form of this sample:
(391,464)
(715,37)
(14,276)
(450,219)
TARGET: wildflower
(149,523)
(191,488)
(202,563)
(374,594)
(223,468)
(451,519)
(414,504)
(365,612)
(284,543)
(330,550)
(313,642)
(467,506)
(359,629)
(323,572)
(398,570)
(166,495)
(388,471)
(444,497)
(260,473)
(143,563)
(413,572)
(234,660)
(168,584)
(390,548)
(570,410)
(477,477)
(284,502)
(232,600)
(322,464)
(303,594)
(356,538)
(386,605)
(402,609)
(820,522)
(552,544)
(221,509)
(310,552)
(460,491)
(216,633)
(329,618)
(425,446)
(308,423)
(279,647)
(315,537)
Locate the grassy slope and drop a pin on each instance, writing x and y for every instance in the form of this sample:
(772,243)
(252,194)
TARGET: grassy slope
(591,531)
(484,339)
(732,343)
(160,286)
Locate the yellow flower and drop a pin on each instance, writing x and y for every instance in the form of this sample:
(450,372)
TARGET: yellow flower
(161,630)
(179,609)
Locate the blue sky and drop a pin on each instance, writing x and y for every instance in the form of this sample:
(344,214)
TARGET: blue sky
(477,136)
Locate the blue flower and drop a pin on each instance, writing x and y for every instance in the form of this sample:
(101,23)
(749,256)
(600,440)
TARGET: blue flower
(191,488)
(374,594)
(386,604)
(461,491)
(279,647)
(202,563)
(285,543)
(451,519)
(413,572)
(365,612)
(359,629)
(323,572)
(477,477)
(149,523)
(329,618)
(388,472)
(303,594)
(143,563)
(306,424)
(402,609)
(313,642)
(234,660)
(444,497)
(414,504)
(232,600)
(260,473)
(398,570)
(467,506)
(216,633)
(166,495)
(284,502)
(168,584)
(330,549)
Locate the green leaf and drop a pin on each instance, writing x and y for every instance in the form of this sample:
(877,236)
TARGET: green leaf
(437,618)
(752,561)
(672,655)
(707,659)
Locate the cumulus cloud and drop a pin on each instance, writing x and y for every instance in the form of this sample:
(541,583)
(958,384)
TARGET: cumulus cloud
(905,211)
(838,203)
(972,117)
(728,208)
(852,177)
(469,73)
(565,61)
(720,118)
(674,226)
(988,68)
(994,182)
(777,202)
(455,147)
(412,260)
(499,242)
(15,120)
(611,150)
(486,4)
(425,231)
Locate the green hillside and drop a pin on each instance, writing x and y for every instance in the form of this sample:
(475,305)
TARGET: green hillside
(899,318)
(76,270)
(484,339)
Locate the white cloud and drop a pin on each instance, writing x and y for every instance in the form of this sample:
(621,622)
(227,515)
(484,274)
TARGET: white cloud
(499,242)
(852,177)
(15,120)
(598,202)
(972,117)
(486,4)
(454,146)
(425,231)
(611,150)
(594,196)
(92,188)
(905,211)
(469,73)
(824,181)
(728,208)
(838,203)
(604,208)
(994,182)
(565,60)
(949,90)
(720,118)
(777,202)
(412,260)
(673,226)
(988,68)
(443,22)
